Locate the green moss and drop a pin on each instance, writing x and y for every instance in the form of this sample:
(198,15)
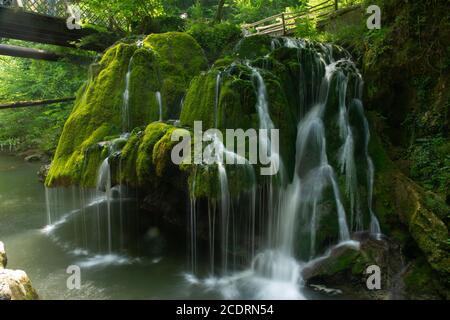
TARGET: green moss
(161,155)
(422,283)
(253,47)
(200,107)
(128,159)
(216,39)
(145,168)
(97,116)
(236,107)
(344,262)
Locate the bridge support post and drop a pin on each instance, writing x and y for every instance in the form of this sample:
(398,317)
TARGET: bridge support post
(284,24)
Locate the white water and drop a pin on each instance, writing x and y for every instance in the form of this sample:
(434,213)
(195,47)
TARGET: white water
(293,211)
(160,105)
(104,183)
(216,107)
(269,222)
(126,123)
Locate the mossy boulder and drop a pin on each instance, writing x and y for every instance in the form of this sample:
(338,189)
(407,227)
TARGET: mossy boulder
(99,112)
(253,47)
(179,58)
(407,213)
(429,232)
(232,104)
(145,159)
(344,267)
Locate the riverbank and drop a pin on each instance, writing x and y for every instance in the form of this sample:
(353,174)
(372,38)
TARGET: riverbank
(14,284)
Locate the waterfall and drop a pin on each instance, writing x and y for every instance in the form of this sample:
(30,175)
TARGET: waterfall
(160,106)
(91,222)
(258,239)
(126,100)
(104,183)
(374,224)
(292,209)
(216,101)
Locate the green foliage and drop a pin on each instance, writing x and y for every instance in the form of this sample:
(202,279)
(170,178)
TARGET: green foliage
(159,24)
(215,39)
(125,13)
(26,79)
(248,11)
(161,65)
(431,164)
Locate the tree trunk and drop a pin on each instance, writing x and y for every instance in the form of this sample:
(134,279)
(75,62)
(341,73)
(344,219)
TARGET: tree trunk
(219,14)
(22,104)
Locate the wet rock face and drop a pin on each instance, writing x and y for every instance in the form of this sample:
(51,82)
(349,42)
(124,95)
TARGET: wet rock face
(3,258)
(14,284)
(121,95)
(43,172)
(344,268)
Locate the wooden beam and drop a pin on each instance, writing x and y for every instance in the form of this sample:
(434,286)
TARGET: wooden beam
(35,103)
(16,24)
(21,52)
(30,53)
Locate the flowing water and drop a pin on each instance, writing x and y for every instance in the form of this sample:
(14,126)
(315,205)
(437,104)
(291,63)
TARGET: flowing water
(148,270)
(160,105)
(291,211)
(258,241)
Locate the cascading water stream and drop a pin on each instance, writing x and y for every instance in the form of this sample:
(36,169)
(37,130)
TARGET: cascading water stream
(104,183)
(126,100)
(276,269)
(292,206)
(160,105)
(216,107)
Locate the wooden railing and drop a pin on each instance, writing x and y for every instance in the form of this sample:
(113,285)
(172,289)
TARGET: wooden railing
(57,9)
(286,22)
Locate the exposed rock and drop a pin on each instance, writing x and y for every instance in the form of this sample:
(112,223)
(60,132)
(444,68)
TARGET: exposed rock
(14,284)
(325,290)
(425,226)
(344,267)
(3,258)
(159,66)
(33,158)
(416,220)
(43,172)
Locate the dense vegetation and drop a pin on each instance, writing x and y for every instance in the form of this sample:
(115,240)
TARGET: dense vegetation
(23,80)
(406,68)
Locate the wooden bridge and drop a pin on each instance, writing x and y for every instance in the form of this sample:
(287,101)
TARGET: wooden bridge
(286,23)
(47,22)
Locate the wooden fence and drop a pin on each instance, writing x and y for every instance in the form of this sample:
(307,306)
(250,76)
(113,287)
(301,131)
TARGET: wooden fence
(58,9)
(286,22)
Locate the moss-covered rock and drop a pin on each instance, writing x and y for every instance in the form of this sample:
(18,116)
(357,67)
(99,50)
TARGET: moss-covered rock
(429,232)
(100,112)
(179,58)
(344,268)
(235,106)
(422,283)
(409,214)
(253,47)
